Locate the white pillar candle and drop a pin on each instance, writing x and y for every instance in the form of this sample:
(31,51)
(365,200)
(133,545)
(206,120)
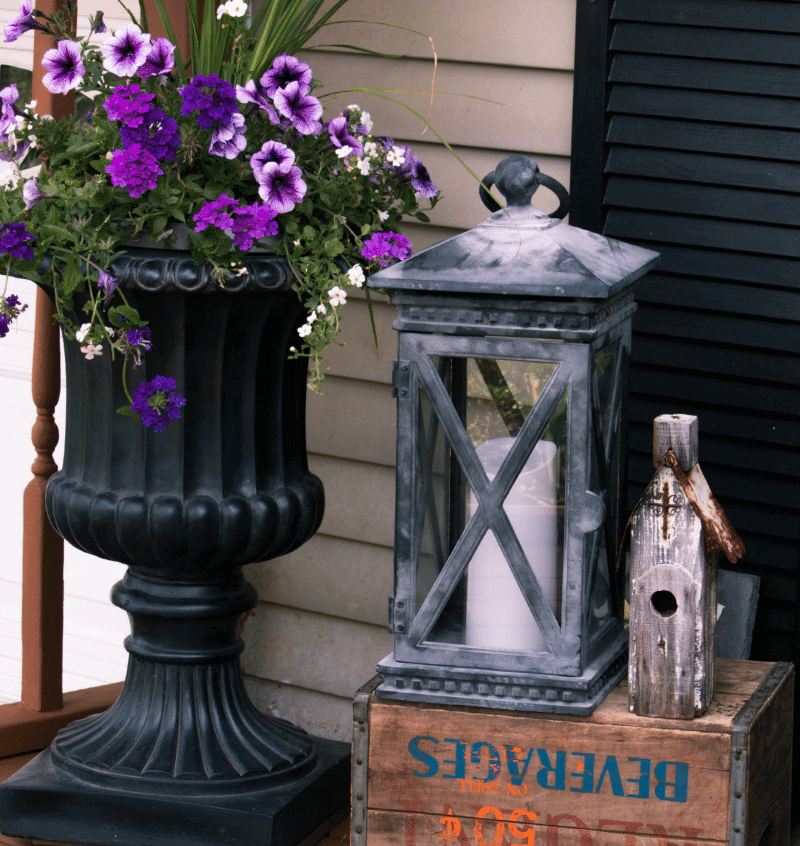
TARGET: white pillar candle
(498,616)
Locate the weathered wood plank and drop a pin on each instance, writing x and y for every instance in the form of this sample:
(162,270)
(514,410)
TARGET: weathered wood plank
(656,39)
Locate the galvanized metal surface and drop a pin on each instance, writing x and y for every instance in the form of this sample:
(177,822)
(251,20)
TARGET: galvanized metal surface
(358,823)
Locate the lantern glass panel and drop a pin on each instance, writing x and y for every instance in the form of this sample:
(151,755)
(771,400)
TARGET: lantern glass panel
(605,365)
(484,606)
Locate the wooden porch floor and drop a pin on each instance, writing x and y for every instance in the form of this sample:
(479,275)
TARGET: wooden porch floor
(8,766)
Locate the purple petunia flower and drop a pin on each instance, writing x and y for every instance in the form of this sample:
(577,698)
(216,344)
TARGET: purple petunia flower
(129,104)
(14,240)
(280,189)
(341,136)
(285,70)
(126,51)
(158,403)
(254,93)
(303,110)
(160,60)
(158,134)
(32,194)
(23,22)
(8,119)
(135,169)
(271,151)
(108,283)
(64,67)
(229,141)
(421,180)
(96,23)
(386,248)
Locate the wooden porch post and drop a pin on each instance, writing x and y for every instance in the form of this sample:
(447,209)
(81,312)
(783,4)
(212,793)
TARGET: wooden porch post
(43,549)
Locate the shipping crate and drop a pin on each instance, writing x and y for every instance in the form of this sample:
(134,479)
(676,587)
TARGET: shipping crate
(425,774)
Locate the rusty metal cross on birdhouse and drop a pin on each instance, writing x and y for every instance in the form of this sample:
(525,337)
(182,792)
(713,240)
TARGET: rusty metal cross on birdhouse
(663,503)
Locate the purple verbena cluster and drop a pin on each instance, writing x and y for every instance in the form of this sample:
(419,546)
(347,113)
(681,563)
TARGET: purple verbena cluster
(10,309)
(386,248)
(245,223)
(129,104)
(158,403)
(15,241)
(134,168)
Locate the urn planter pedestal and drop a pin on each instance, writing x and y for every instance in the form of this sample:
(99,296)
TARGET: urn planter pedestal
(183,756)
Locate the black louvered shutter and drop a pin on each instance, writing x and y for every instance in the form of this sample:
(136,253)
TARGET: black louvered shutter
(686,139)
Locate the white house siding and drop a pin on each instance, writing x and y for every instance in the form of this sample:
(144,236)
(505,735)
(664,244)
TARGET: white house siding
(321,627)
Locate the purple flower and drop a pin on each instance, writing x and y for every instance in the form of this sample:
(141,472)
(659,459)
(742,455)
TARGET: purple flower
(96,23)
(215,213)
(285,70)
(158,134)
(137,340)
(158,403)
(252,92)
(386,247)
(280,189)
(12,300)
(251,223)
(4,321)
(14,240)
(213,100)
(301,108)
(421,180)
(134,168)
(126,51)
(64,67)
(341,136)
(129,104)
(108,283)
(8,120)
(160,60)
(271,151)
(229,141)
(23,22)
(32,194)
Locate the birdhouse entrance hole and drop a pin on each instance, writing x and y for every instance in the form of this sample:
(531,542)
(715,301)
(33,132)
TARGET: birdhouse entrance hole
(664,603)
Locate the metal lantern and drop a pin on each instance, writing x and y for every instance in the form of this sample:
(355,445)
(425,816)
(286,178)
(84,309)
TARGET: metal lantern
(511,389)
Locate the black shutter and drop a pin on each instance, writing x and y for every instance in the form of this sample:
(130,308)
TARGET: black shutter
(686,139)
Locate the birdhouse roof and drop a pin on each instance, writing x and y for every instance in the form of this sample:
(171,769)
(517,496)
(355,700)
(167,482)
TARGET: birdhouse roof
(718,531)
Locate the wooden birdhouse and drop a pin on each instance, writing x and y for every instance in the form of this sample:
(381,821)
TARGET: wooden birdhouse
(677,529)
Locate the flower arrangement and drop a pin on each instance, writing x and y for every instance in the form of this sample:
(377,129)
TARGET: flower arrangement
(236,153)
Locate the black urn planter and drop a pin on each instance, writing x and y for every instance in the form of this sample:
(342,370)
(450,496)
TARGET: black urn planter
(183,756)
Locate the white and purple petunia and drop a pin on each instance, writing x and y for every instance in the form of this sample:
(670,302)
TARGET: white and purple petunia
(252,92)
(160,59)
(32,194)
(285,70)
(23,22)
(303,110)
(280,189)
(228,140)
(8,119)
(126,51)
(64,67)
(341,136)
(275,152)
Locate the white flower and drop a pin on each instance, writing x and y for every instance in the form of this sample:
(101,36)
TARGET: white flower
(341,218)
(365,166)
(83,331)
(356,275)
(383,215)
(366,122)
(91,350)
(9,174)
(322,309)
(297,243)
(344,151)
(304,330)
(337,296)
(370,149)
(237,8)
(311,318)
(396,156)
(354,107)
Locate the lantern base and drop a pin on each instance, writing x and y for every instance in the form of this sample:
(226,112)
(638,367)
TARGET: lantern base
(523,691)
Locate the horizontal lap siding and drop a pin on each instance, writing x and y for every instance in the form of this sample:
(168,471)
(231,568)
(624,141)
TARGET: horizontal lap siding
(321,625)
(701,161)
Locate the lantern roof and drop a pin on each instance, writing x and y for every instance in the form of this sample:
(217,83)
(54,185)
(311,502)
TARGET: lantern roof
(521,250)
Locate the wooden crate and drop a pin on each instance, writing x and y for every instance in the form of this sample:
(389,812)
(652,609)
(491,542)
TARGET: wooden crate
(437,774)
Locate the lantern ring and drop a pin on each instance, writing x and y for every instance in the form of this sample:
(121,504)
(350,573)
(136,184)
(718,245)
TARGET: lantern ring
(517,178)
(590,512)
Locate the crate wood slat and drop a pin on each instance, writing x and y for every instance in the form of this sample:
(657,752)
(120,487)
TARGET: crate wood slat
(436,774)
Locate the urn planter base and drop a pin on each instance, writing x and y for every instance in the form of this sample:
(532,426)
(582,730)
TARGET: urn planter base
(45,801)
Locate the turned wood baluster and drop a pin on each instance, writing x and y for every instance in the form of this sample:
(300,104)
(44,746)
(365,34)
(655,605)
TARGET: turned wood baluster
(43,549)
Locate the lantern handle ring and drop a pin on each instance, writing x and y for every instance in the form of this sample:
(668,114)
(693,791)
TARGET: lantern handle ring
(517,178)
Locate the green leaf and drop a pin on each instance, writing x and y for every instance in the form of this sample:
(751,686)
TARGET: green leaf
(127,411)
(308,232)
(333,247)
(159,224)
(423,217)
(124,316)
